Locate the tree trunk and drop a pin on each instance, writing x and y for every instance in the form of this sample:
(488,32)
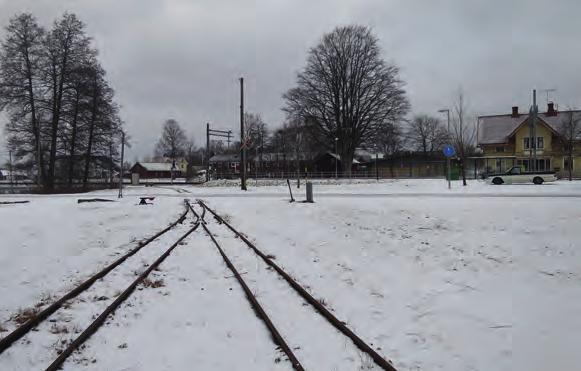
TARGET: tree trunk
(73,140)
(346,164)
(35,123)
(570,165)
(463,168)
(53,136)
(91,131)
(57,105)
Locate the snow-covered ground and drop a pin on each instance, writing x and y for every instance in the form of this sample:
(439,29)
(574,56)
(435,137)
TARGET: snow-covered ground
(435,187)
(474,278)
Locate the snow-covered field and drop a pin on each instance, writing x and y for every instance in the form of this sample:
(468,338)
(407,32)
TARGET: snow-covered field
(476,278)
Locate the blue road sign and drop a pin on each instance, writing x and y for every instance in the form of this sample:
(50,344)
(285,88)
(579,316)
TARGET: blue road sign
(449,151)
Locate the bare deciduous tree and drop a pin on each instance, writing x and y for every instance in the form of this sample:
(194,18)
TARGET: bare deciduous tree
(569,135)
(463,133)
(67,46)
(390,141)
(59,104)
(173,140)
(347,90)
(256,130)
(426,134)
(20,58)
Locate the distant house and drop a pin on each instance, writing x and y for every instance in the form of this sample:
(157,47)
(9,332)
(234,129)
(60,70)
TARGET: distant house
(156,170)
(16,175)
(505,141)
(408,165)
(327,163)
(225,165)
(363,155)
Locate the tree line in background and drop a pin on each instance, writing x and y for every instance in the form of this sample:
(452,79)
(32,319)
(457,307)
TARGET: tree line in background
(349,97)
(346,97)
(63,122)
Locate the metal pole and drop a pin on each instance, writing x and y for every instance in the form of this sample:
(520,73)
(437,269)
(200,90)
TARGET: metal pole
(336,160)
(121,167)
(449,174)
(38,149)
(11,172)
(532,133)
(207,152)
(242,139)
(376,169)
(534,119)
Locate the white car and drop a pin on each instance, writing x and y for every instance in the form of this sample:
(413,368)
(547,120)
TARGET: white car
(516,176)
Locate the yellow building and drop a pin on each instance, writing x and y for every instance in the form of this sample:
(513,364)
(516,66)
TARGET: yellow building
(506,141)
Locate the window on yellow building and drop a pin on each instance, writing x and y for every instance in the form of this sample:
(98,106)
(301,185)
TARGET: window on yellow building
(566,163)
(540,143)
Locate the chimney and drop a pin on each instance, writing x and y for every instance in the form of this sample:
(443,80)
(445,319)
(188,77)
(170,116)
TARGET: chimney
(551,109)
(515,111)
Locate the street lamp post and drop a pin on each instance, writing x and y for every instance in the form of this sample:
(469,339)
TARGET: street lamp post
(376,169)
(336,155)
(447,114)
(448,165)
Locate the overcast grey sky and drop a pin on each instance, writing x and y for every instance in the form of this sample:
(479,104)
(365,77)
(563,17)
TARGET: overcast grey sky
(182,58)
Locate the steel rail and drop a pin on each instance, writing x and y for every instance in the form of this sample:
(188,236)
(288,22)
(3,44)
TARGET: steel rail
(98,322)
(277,337)
(23,329)
(340,325)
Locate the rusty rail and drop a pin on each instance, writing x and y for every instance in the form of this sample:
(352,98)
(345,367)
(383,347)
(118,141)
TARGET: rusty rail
(98,322)
(278,339)
(23,329)
(340,325)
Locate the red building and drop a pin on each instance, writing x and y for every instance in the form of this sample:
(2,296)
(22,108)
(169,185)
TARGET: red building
(155,170)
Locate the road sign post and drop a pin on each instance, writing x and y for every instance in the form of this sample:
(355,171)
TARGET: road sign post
(449,175)
(449,151)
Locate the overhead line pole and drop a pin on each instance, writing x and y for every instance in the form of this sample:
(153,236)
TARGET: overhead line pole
(532,134)
(207,152)
(121,168)
(213,133)
(242,139)
(11,172)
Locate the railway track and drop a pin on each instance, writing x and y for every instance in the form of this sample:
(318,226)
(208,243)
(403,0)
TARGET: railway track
(274,316)
(85,290)
(303,294)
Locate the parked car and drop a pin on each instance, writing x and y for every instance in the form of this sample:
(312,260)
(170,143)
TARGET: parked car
(516,175)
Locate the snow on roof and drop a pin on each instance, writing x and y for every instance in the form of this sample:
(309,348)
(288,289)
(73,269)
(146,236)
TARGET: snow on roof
(497,129)
(337,157)
(225,158)
(156,166)
(366,155)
